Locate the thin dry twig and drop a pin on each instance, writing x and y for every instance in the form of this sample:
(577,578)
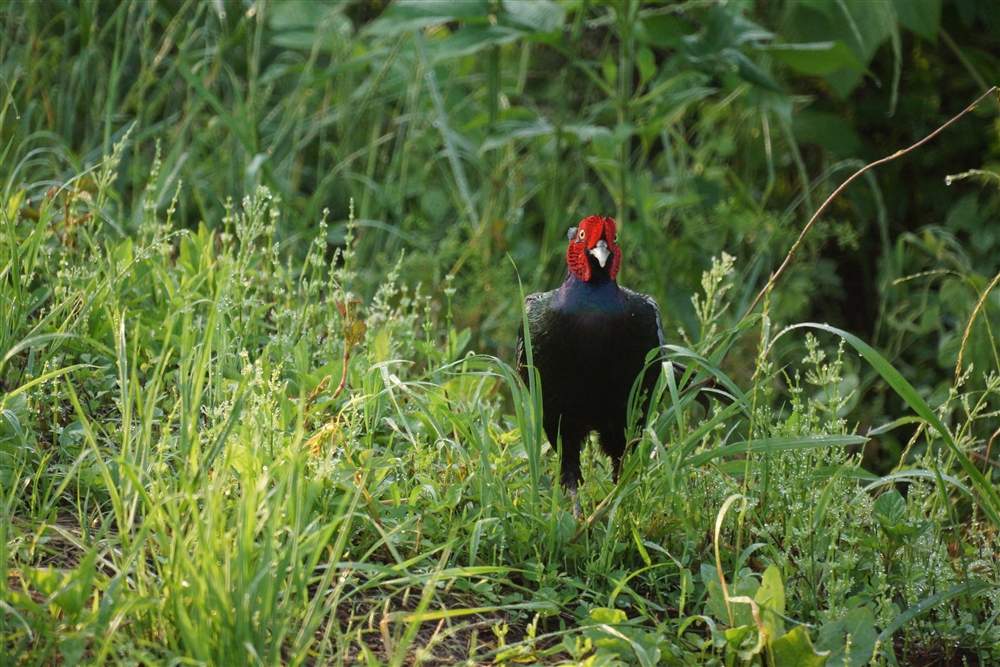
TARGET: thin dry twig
(854,177)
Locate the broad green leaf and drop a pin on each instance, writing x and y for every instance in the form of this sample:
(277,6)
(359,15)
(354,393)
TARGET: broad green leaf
(747,586)
(534,15)
(726,27)
(608,616)
(736,636)
(406,15)
(890,509)
(716,603)
(46,580)
(440,10)
(586,132)
(303,25)
(382,347)
(646,63)
(77,586)
(458,341)
(717,48)
(795,650)
(435,203)
(815,58)
(664,30)
(861,26)
(771,598)
(827,7)
(472,38)
(772,591)
(856,628)
(749,71)
(289,15)
(921,16)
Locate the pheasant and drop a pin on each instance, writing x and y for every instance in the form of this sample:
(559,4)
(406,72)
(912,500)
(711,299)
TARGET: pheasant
(589,341)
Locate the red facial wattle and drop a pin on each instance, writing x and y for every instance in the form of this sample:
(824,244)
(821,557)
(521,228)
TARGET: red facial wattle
(587,242)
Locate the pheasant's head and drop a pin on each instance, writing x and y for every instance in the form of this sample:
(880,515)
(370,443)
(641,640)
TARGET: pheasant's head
(593,251)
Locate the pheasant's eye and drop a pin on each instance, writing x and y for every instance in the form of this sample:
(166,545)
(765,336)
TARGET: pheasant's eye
(582,234)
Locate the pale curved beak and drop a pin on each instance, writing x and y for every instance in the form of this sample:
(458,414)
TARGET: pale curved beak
(601,252)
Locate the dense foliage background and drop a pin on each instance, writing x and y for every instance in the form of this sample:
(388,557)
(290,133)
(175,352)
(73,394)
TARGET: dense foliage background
(181,287)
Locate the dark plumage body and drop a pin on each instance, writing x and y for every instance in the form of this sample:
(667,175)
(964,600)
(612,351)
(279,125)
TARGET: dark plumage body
(590,339)
(589,343)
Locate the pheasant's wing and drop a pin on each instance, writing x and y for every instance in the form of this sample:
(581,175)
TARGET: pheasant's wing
(534,307)
(650,302)
(647,307)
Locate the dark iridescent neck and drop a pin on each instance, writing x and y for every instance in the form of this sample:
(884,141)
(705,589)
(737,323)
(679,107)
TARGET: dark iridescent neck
(598,278)
(597,294)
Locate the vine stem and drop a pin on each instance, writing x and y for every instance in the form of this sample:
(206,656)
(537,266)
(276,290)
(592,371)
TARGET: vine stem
(805,230)
(343,375)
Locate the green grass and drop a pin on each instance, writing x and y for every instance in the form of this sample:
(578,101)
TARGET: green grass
(184,480)
(260,274)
